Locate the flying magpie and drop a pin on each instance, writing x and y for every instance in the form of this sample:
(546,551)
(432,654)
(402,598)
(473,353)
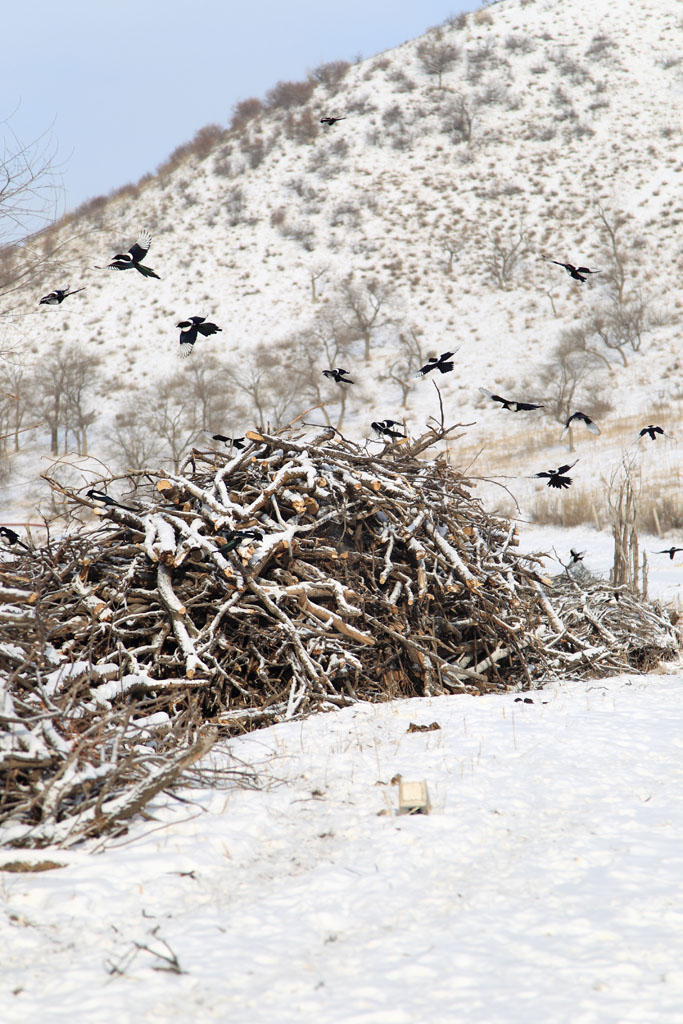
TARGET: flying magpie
(190,328)
(235,442)
(508,403)
(441,363)
(339,375)
(384,428)
(102,500)
(576,556)
(652,431)
(667,551)
(557,477)
(134,257)
(56,297)
(578,273)
(593,427)
(12,537)
(329,121)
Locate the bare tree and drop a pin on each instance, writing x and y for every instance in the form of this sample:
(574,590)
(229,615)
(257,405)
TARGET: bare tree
(269,390)
(573,379)
(136,443)
(503,255)
(315,272)
(14,388)
(611,229)
(437,57)
(409,357)
(30,190)
(459,118)
(207,390)
(361,308)
(61,388)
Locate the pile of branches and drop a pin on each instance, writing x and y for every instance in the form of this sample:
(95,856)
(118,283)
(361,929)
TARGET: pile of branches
(294,575)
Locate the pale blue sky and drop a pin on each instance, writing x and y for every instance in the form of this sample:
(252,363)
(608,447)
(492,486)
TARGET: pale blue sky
(122,83)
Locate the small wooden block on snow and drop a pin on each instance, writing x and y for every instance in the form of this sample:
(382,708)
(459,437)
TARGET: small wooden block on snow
(413,798)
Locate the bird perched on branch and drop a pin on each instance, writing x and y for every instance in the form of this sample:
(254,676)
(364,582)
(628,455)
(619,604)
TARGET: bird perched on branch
(190,328)
(102,500)
(667,551)
(234,538)
(134,257)
(339,375)
(329,121)
(229,442)
(441,363)
(12,537)
(557,477)
(578,273)
(582,418)
(652,431)
(384,428)
(508,403)
(56,297)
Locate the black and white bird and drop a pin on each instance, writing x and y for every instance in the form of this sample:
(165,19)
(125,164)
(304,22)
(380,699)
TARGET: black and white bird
(508,403)
(56,297)
(12,537)
(651,430)
(229,442)
(134,257)
(235,538)
(667,551)
(329,121)
(557,477)
(582,418)
(339,375)
(575,556)
(190,328)
(577,273)
(385,428)
(442,363)
(102,500)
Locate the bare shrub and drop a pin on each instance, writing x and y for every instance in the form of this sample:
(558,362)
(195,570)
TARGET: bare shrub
(245,111)
(201,145)
(304,128)
(400,80)
(330,74)
(286,95)
(254,149)
(600,47)
(235,204)
(520,43)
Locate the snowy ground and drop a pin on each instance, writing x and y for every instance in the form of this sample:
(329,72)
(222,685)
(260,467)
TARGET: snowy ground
(546,885)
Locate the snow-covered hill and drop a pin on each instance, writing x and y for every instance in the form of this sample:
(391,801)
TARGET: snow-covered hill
(554,125)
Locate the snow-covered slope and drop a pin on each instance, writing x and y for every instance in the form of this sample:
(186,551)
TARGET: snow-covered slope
(575,109)
(545,886)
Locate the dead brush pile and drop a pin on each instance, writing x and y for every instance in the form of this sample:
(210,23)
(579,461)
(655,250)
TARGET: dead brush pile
(292,576)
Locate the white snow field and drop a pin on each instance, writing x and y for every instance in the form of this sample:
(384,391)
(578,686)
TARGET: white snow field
(545,886)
